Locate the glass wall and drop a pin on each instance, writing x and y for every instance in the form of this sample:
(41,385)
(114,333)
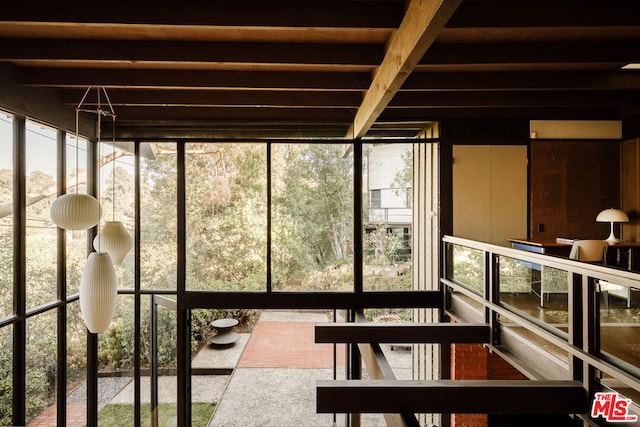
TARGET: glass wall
(117,198)
(6,372)
(41,363)
(6,215)
(312,211)
(116,356)
(76,361)
(41,236)
(387,216)
(158,218)
(76,180)
(259,217)
(226,214)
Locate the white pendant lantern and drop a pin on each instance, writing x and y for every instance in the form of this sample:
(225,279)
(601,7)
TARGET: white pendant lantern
(76,211)
(98,292)
(115,240)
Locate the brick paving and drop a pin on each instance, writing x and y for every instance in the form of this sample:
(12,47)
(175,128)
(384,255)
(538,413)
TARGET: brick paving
(288,345)
(76,417)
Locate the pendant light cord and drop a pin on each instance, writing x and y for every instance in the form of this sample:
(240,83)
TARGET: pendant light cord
(113,173)
(78,137)
(98,141)
(99,167)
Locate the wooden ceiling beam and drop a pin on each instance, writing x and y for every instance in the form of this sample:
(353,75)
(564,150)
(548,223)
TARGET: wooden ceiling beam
(221,98)
(544,13)
(170,51)
(419,28)
(531,53)
(328,13)
(392,115)
(523,80)
(518,98)
(193,79)
(283,114)
(99,31)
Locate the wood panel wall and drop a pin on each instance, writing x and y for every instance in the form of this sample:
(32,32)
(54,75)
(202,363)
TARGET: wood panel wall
(570,182)
(630,177)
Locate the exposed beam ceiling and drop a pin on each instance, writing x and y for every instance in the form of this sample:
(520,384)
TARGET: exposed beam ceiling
(421,25)
(327,68)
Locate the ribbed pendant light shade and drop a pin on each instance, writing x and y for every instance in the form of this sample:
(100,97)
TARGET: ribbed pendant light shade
(98,292)
(76,211)
(115,240)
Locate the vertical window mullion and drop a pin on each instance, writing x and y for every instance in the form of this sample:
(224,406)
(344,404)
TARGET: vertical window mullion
(61,257)
(137,348)
(357,216)
(269,215)
(183,314)
(92,339)
(19,271)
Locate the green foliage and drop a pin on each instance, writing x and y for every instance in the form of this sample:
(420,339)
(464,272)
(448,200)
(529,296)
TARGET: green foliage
(403,178)
(115,348)
(6,271)
(389,315)
(382,247)
(515,276)
(554,280)
(469,267)
(39,392)
(118,415)
(116,345)
(226,216)
(6,385)
(312,198)
(6,182)
(201,322)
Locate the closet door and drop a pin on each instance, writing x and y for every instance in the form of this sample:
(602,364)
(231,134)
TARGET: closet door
(490,192)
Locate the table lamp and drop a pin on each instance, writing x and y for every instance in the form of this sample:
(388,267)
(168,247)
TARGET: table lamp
(612,215)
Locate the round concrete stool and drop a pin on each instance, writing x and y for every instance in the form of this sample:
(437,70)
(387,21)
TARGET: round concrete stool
(224,334)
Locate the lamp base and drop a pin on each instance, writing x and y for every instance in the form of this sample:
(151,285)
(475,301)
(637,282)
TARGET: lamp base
(612,237)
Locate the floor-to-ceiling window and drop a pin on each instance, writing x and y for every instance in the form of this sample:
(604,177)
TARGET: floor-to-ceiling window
(312,217)
(6,263)
(226,216)
(271,217)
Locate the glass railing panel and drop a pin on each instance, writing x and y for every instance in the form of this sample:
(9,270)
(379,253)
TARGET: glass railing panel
(536,291)
(622,393)
(116,389)
(76,362)
(620,322)
(468,267)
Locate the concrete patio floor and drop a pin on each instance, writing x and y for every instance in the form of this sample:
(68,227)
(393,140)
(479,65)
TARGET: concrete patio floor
(272,380)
